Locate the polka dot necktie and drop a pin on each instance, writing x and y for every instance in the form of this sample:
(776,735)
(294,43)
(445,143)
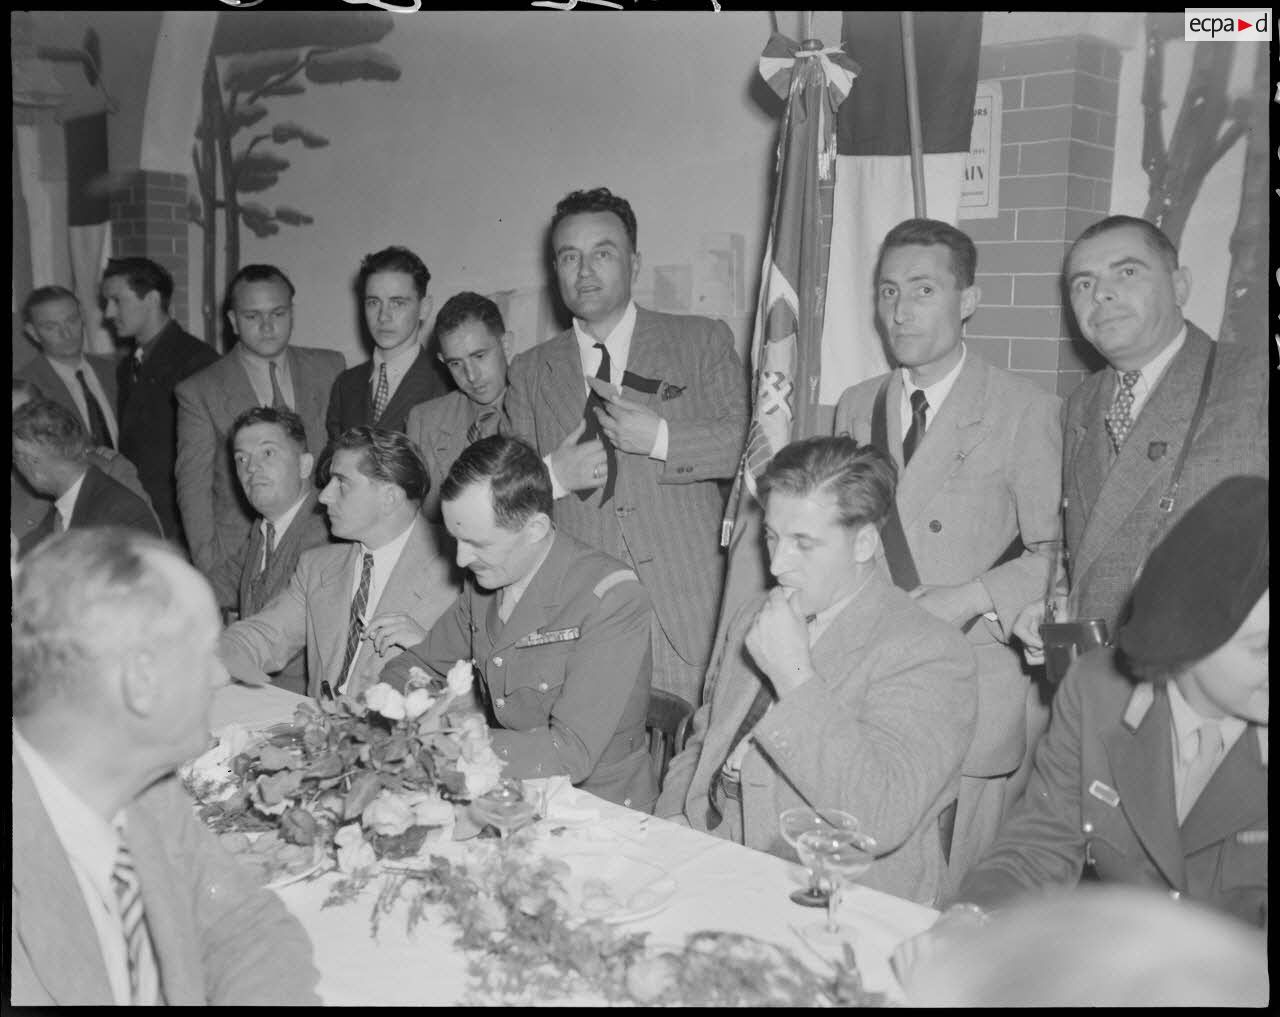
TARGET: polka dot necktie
(1119,418)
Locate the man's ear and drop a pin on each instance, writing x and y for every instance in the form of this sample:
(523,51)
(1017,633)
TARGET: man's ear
(1181,285)
(231,319)
(424,308)
(635,266)
(970,297)
(30,331)
(306,464)
(537,526)
(865,543)
(508,343)
(139,684)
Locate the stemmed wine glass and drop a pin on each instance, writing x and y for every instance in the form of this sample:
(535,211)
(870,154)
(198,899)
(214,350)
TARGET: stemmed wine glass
(838,857)
(504,807)
(801,819)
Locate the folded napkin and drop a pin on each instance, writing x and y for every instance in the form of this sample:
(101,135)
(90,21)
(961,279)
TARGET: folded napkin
(559,802)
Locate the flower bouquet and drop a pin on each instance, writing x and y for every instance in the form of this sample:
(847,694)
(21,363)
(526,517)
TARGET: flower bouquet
(369,778)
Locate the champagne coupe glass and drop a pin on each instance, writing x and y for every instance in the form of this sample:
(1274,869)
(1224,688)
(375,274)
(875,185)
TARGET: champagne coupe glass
(503,807)
(792,823)
(839,856)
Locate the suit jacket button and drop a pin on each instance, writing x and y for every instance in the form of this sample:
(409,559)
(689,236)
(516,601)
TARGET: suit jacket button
(497,662)
(935,526)
(499,703)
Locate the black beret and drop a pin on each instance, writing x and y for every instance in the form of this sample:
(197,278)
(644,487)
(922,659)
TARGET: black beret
(1202,580)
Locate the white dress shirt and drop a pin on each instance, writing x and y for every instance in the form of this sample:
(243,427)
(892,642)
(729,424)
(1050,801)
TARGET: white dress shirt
(398,363)
(281,523)
(260,376)
(1152,372)
(66,502)
(384,563)
(68,376)
(936,393)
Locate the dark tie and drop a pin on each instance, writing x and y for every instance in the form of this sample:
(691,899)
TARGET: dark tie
(136,364)
(1119,418)
(595,402)
(277,397)
(99,433)
(382,395)
(919,407)
(268,543)
(144,984)
(355,627)
(482,426)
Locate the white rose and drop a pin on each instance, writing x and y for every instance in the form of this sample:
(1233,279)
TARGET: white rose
(383,699)
(460,677)
(481,774)
(418,675)
(416,703)
(354,852)
(430,809)
(387,815)
(472,727)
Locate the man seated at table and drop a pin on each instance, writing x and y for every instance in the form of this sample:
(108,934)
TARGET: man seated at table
(834,689)
(51,451)
(559,632)
(273,467)
(1154,768)
(392,567)
(120,894)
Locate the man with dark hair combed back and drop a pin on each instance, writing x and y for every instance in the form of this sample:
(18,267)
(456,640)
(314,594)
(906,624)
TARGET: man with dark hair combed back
(391,576)
(559,632)
(639,416)
(834,689)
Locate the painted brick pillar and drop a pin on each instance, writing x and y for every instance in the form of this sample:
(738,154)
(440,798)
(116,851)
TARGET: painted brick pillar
(149,219)
(1056,160)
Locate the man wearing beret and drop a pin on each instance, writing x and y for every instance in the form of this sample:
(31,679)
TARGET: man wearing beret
(1154,769)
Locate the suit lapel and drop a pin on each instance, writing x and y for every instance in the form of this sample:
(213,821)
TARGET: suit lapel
(253,579)
(407,393)
(311,397)
(1141,761)
(562,386)
(332,611)
(647,357)
(88,498)
(1234,799)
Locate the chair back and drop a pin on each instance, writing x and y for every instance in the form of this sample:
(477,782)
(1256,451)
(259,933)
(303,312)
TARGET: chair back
(667,725)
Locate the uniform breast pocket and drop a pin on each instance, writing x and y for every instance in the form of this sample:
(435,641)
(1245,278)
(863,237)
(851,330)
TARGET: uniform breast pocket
(1243,863)
(535,678)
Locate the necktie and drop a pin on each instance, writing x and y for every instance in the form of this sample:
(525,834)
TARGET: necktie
(277,397)
(1119,419)
(268,543)
(137,363)
(1201,768)
(482,426)
(919,407)
(144,976)
(381,395)
(594,402)
(355,628)
(99,433)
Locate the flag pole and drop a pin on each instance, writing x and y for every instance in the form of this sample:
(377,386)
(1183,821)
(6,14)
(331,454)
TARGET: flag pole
(913,112)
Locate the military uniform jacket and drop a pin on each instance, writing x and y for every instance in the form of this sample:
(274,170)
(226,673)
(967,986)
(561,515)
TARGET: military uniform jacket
(1102,794)
(566,678)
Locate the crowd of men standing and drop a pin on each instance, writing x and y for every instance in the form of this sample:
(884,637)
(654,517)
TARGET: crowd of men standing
(556,519)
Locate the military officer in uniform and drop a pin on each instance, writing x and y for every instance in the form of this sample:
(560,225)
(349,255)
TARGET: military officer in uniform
(559,632)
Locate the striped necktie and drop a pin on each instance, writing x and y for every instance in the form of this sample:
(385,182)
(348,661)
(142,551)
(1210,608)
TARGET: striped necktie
(355,629)
(482,426)
(382,395)
(277,395)
(268,543)
(144,976)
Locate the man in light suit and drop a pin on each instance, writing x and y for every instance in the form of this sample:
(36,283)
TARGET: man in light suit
(83,383)
(392,569)
(263,369)
(1154,769)
(834,689)
(636,467)
(558,632)
(392,288)
(473,344)
(979,481)
(51,451)
(1126,426)
(274,469)
(114,668)
(136,292)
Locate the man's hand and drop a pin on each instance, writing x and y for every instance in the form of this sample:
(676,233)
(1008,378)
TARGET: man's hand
(630,426)
(388,630)
(956,605)
(951,926)
(1027,629)
(579,467)
(778,641)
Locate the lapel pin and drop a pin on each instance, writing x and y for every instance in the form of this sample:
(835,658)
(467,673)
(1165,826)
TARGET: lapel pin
(1156,450)
(1104,794)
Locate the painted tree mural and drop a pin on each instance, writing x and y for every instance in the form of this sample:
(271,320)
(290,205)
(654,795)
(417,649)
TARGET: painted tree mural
(252,60)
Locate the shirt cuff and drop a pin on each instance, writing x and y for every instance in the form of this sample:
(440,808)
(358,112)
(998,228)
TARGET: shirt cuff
(557,489)
(659,451)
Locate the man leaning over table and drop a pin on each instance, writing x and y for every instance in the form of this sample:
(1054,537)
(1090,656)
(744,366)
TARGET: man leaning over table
(1154,769)
(392,566)
(834,689)
(120,895)
(559,632)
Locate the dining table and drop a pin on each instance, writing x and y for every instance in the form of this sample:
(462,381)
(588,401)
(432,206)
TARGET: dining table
(704,883)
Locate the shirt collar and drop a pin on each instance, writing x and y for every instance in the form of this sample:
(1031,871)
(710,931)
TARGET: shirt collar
(285,519)
(511,594)
(1187,722)
(1154,369)
(66,502)
(617,342)
(398,361)
(936,393)
(68,371)
(385,557)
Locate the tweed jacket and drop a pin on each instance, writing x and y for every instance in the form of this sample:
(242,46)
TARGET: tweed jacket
(574,704)
(40,373)
(148,416)
(351,398)
(313,613)
(101,502)
(215,512)
(880,732)
(439,429)
(28,509)
(1113,519)
(664,519)
(988,470)
(1102,795)
(218,938)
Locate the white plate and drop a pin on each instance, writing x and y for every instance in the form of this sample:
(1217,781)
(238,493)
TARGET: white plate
(617,888)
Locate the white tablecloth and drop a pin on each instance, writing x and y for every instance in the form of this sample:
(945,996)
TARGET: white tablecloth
(721,886)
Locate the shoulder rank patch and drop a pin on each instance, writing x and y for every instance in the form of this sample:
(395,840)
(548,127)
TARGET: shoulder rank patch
(613,579)
(1104,794)
(554,636)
